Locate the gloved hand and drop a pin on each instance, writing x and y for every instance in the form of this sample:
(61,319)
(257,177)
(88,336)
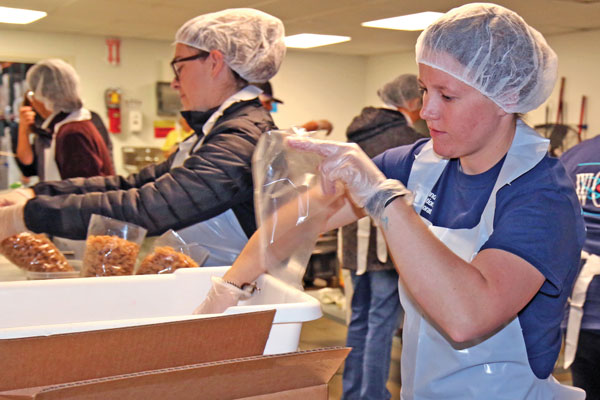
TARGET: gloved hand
(346,162)
(11,220)
(221,296)
(17,196)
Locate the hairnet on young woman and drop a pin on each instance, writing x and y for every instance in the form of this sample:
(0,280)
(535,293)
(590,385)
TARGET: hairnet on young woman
(250,40)
(493,50)
(56,84)
(400,91)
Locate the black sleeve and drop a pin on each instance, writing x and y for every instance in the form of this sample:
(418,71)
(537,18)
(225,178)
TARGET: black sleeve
(210,181)
(99,124)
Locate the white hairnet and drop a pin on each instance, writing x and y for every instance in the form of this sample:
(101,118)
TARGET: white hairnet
(250,40)
(497,53)
(56,84)
(400,91)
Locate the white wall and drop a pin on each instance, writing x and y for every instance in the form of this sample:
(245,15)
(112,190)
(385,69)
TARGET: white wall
(578,62)
(319,86)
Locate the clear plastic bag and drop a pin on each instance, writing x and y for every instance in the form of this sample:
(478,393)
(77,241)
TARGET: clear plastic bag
(170,252)
(34,252)
(290,218)
(111,247)
(221,235)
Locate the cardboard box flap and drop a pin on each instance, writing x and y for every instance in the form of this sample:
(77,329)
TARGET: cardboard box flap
(42,361)
(312,393)
(251,377)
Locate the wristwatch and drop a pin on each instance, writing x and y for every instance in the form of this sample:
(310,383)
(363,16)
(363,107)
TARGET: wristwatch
(247,288)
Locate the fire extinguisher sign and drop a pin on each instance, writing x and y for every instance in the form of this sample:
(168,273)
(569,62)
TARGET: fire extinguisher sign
(112,97)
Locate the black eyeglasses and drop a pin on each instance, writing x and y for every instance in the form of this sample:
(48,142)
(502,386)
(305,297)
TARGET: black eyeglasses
(198,56)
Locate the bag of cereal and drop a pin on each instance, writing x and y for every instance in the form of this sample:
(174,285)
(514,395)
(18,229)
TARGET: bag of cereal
(111,247)
(170,253)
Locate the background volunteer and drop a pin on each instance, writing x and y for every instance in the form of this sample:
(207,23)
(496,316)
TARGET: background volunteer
(68,144)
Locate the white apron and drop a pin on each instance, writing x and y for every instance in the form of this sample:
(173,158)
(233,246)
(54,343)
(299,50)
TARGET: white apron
(221,235)
(589,270)
(51,172)
(363,233)
(495,367)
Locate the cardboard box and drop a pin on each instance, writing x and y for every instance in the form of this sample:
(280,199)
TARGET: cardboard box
(178,360)
(33,308)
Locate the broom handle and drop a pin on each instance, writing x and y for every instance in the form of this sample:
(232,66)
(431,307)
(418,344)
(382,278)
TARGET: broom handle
(559,118)
(583,99)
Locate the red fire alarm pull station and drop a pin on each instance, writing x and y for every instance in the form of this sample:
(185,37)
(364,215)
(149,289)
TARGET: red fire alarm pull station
(114,53)
(112,97)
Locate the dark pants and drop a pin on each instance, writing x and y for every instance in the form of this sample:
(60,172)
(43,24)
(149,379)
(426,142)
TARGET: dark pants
(375,309)
(586,367)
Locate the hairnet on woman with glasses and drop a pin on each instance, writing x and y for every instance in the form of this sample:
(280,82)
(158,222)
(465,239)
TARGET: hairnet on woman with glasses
(251,41)
(483,226)
(204,190)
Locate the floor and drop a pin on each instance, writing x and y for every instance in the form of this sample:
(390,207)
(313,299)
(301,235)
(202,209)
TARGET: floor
(330,330)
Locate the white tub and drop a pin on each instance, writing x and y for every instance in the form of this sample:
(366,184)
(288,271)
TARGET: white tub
(34,308)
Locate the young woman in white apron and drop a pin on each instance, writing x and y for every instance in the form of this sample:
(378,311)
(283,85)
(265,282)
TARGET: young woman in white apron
(478,304)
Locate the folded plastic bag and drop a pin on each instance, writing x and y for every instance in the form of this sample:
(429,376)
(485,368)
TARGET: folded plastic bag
(290,219)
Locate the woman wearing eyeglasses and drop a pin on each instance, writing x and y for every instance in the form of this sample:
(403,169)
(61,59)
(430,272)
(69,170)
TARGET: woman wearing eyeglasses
(204,190)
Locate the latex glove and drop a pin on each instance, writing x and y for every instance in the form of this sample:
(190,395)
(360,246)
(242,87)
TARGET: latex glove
(347,162)
(18,196)
(221,296)
(11,220)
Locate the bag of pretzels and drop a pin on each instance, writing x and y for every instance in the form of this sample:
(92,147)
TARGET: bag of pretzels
(111,247)
(34,252)
(171,252)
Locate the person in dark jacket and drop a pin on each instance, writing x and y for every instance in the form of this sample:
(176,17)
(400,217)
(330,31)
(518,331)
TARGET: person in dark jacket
(408,100)
(204,190)
(375,302)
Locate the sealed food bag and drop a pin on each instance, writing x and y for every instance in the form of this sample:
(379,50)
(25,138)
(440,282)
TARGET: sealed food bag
(289,223)
(170,253)
(111,247)
(34,252)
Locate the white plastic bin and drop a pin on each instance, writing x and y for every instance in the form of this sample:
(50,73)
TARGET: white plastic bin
(35,308)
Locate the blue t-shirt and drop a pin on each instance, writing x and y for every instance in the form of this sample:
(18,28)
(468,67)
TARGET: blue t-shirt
(582,163)
(537,218)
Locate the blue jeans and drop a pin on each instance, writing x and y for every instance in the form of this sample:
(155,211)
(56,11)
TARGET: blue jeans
(375,311)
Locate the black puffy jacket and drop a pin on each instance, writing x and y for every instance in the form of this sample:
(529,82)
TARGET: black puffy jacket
(215,178)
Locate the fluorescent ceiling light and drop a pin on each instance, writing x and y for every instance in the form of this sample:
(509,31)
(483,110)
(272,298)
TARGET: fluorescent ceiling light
(411,22)
(19,15)
(308,40)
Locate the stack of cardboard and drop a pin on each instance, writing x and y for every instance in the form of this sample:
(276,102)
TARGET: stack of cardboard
(211,358)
